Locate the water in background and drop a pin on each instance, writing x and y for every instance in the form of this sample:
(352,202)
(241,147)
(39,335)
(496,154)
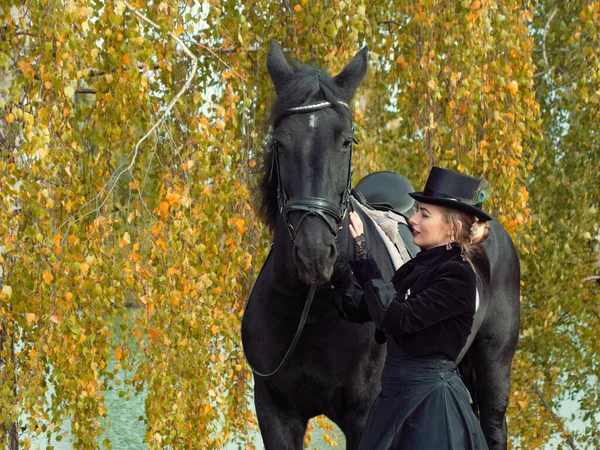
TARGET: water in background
(126,432)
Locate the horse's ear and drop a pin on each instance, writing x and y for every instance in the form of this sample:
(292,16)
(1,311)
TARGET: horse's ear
(279,70)
(351,76)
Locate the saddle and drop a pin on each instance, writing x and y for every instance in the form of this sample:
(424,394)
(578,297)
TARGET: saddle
(384,198)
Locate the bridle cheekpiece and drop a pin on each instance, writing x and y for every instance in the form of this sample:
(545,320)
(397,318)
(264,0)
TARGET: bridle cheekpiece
(312,206)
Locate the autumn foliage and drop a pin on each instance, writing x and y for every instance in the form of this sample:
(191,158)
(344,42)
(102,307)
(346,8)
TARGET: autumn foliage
(129,140)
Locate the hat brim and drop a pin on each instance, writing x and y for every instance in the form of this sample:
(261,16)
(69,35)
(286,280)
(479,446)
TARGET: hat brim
(455,204)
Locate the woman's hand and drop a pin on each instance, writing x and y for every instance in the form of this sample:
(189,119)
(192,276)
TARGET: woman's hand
(356,225)
(357,230)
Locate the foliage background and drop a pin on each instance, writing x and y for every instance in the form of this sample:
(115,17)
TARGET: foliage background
(129,140)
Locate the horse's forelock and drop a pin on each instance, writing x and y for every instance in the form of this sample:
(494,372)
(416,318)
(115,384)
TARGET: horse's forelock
(305,85)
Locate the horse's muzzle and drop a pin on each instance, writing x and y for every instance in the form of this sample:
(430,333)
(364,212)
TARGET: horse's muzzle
(315,263)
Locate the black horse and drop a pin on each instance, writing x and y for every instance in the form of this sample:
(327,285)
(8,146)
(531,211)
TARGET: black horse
(333,367)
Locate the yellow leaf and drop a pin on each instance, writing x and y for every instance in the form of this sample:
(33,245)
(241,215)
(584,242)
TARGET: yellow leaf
(175,298)
(55,318)
(125,241)
(431,84)
(47,277)
(30,317)
(42,152)
(118,354)
(297,8)
(84,267)
(513,87)
(177,31)
(400,60)
(7,290)
(10,118)
(172,198)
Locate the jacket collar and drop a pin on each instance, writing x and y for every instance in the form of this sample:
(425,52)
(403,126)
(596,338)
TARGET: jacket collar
(437,255)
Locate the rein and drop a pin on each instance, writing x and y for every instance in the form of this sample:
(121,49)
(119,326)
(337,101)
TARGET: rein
(303,317)
(316,206)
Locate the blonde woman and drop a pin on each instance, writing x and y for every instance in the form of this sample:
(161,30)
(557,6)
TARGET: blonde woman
(426,312)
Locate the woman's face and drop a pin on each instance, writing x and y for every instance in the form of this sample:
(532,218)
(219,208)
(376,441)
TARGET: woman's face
(429,228)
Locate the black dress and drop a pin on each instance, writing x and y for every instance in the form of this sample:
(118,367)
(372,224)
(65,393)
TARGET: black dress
(425,314)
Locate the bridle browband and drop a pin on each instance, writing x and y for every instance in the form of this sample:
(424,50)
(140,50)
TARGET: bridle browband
(312,206)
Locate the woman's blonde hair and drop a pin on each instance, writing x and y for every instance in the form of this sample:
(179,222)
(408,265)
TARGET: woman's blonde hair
(467,230)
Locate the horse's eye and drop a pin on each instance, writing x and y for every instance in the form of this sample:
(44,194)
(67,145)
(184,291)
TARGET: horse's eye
(278,146)
(347,143)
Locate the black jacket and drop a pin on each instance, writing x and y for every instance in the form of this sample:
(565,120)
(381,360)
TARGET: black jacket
(427,307)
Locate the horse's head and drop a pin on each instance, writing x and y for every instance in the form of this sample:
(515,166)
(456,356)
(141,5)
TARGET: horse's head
(311,158)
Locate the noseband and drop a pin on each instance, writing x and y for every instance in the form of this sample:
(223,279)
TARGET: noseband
(312,206)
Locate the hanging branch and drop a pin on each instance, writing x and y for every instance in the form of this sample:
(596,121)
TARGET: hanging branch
(134,152)
(555,416)
(546,28)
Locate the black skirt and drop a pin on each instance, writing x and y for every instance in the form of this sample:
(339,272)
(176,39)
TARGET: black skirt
(423,405)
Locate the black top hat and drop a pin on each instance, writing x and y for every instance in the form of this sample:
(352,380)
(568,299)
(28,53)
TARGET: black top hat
(454,190)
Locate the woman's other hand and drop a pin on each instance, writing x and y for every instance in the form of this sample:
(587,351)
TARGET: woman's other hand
(356,225)
(357,230)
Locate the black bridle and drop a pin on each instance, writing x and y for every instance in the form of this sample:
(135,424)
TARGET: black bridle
(316,206)
(312,206)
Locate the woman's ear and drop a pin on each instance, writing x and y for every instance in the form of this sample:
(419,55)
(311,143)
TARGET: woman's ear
(456,229)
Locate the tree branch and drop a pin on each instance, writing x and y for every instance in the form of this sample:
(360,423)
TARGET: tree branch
(209,50)
(388,23)
(73,219)
(555,416)
(546,28)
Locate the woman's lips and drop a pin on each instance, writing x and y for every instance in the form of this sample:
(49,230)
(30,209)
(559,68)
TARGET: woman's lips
(415,233)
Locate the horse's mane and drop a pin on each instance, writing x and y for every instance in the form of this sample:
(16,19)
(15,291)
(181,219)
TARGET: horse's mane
(305,85)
